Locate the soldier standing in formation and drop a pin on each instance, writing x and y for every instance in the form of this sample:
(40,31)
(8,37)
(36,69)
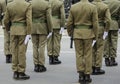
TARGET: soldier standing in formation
(19,23)
(42,26)
(110,52)
(58,19)
(7,47)
(83,22)
(104,24)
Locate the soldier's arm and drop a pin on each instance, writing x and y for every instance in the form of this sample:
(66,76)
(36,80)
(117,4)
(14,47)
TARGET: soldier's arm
(70,24)
(2,10)
(107,20)
(119,18)
(0,14)
(49,19)
(95,23)
(6,20)
(62,16)
(29,19)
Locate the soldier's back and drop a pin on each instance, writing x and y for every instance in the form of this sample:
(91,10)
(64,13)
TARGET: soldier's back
(55,6)
(17,10)
(39,8)
(113,5)
(20,17)
(101,8)
(80,9)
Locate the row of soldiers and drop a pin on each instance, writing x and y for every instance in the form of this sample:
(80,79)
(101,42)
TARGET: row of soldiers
(22,21)
(88,24)
(94,28)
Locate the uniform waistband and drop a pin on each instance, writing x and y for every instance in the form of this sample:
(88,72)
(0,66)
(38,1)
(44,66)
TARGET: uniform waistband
(113,18)
(19,23)
(57,17)
(83,26)
(101,24)
(39,20)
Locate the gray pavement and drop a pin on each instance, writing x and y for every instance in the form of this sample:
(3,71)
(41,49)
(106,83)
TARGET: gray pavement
(64,73)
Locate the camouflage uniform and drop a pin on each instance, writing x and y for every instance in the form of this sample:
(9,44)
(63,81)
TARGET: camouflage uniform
(104,24)
(7,47)
(110,51)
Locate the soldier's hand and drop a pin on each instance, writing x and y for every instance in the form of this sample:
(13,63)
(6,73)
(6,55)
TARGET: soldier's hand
(49,35)
(1,27)
(119,30)
(105,35)
(27,38)
(61,30)
(93,43)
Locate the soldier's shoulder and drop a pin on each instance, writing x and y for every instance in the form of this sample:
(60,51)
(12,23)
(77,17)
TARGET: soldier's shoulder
(60,2)
(104,4)
(74,5)
(46,3)
(27,3)
(91,4)
(10,3)
(2,1)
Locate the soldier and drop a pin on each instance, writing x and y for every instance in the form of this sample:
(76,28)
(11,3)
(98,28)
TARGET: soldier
(18,19)
(83,22)
(42,25)
(53,43)
(104,24)
(110,52)
(7,51)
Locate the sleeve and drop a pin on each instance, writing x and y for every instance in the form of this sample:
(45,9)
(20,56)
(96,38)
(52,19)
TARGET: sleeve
(49,19)
(29,19)
(2,10)
(62,16)
(107,20)
(6,20)
(70,23)
(95,23)
(0,14)
(119,18)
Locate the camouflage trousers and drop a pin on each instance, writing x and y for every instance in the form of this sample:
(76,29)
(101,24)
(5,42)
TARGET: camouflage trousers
(53,43)
(110,49)
(7,46)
